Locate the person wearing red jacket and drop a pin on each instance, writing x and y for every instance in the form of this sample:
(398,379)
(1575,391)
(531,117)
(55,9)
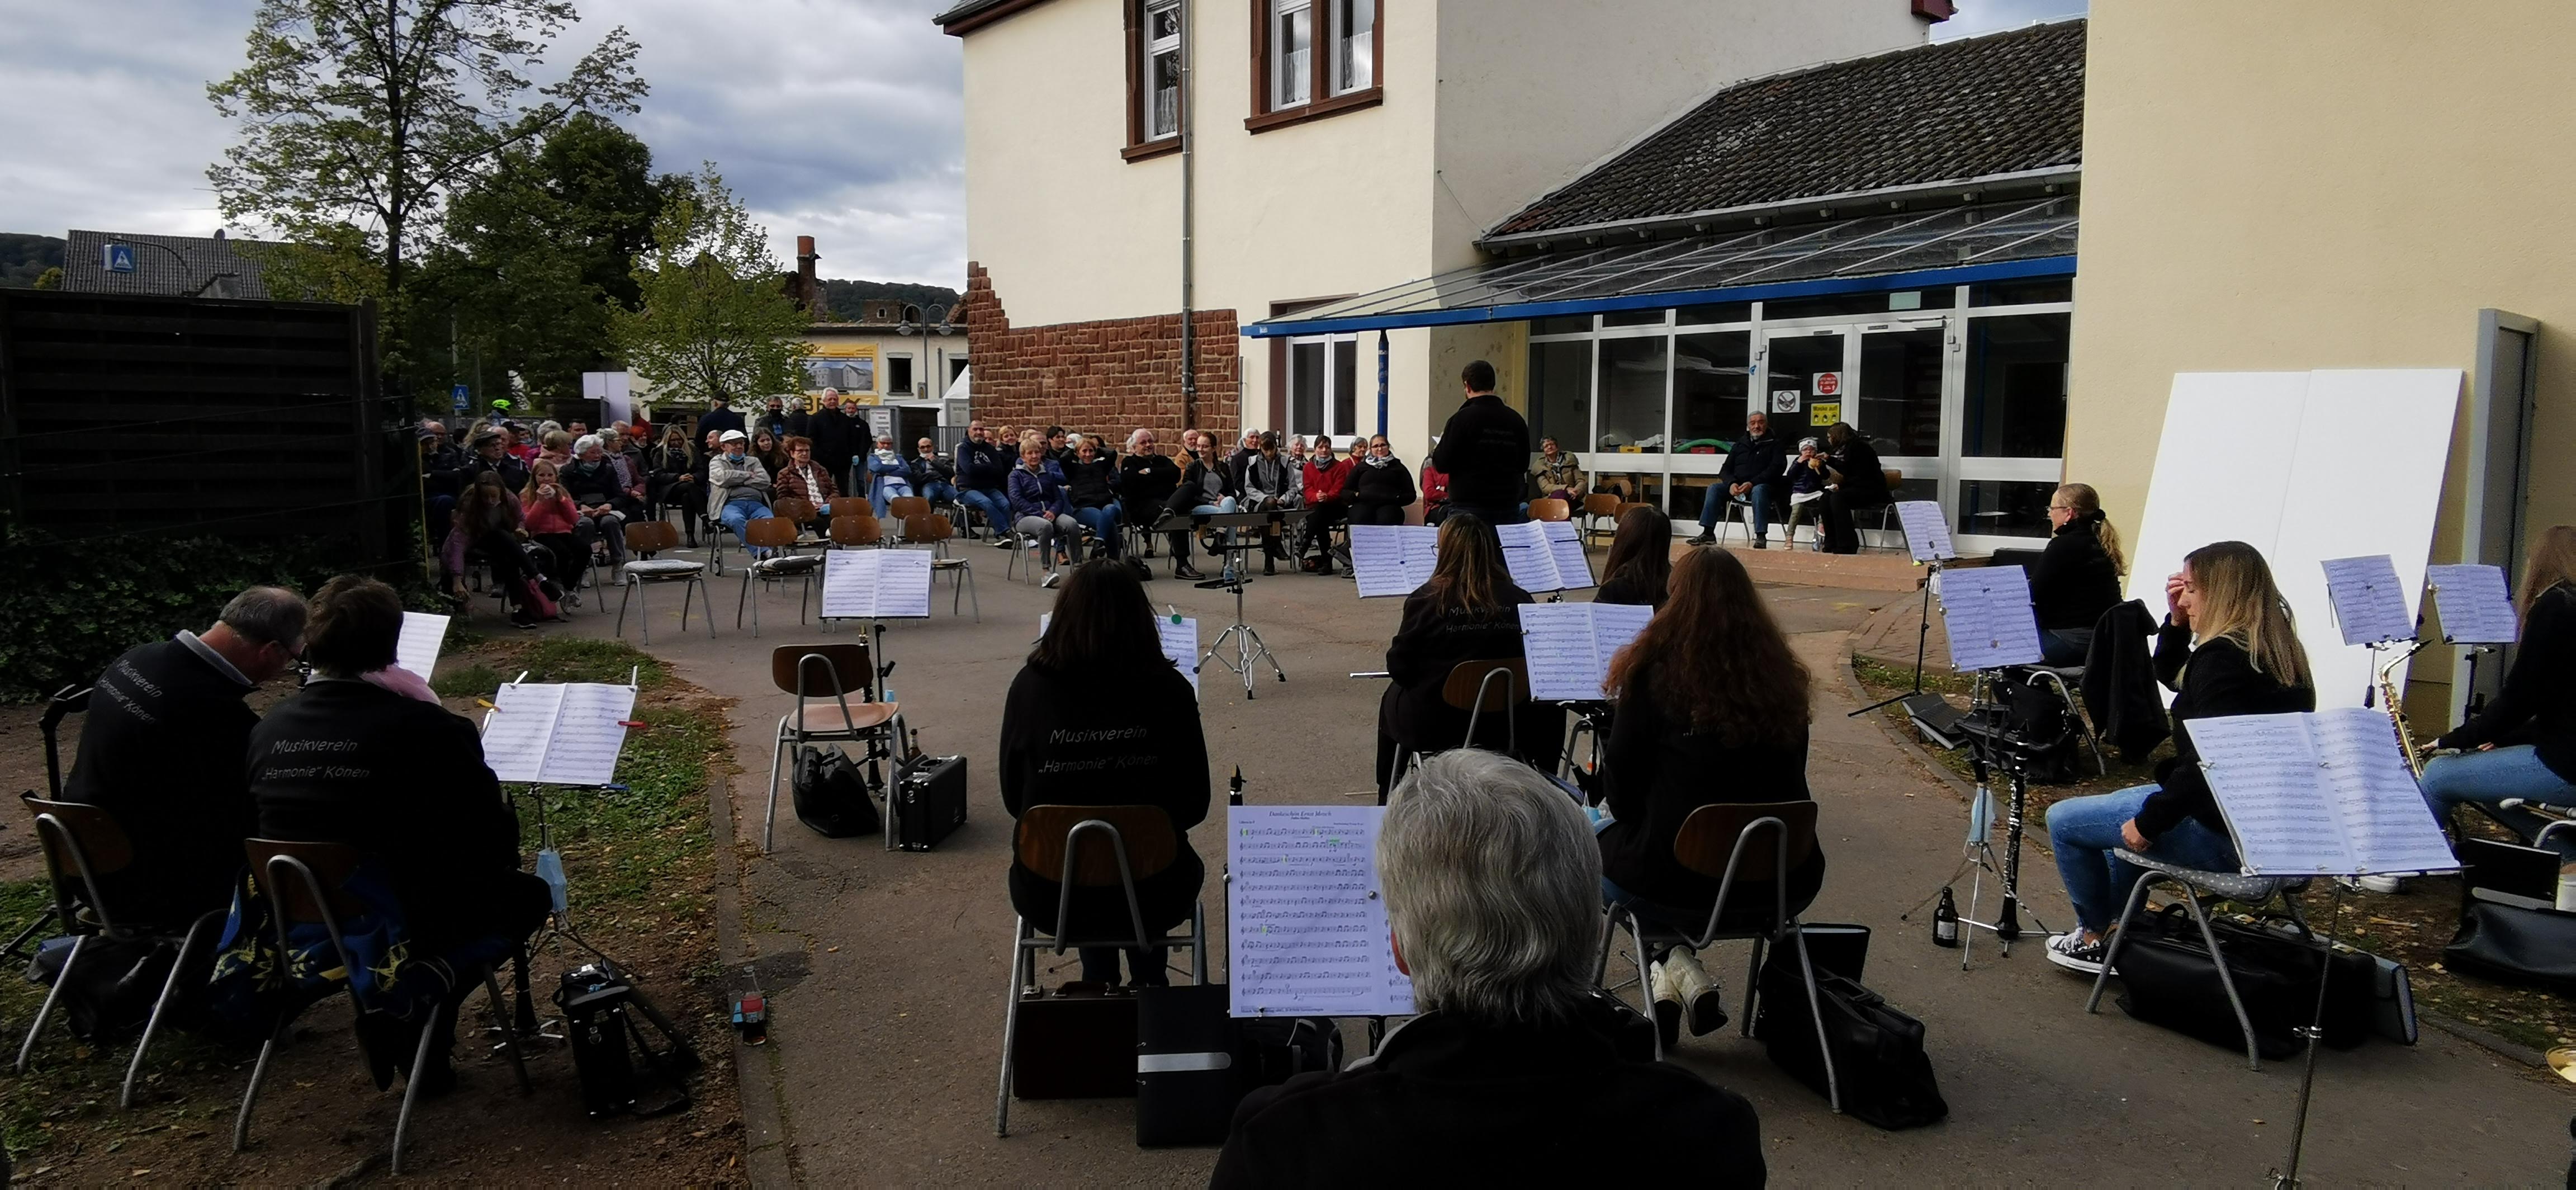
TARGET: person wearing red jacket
(1327,504)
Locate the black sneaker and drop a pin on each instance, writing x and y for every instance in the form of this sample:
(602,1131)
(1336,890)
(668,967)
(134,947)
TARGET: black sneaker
(1706,537)
(2070,951)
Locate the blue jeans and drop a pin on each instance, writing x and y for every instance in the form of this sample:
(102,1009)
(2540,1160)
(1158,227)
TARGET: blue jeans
(996,509)
(2488,777)
(938,492)
(1715,504)
(2083,830)
(2064,646)
(1103,523)
(740,512)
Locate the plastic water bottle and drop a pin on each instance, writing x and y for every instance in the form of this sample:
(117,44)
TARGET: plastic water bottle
(551,870)
(1945,920)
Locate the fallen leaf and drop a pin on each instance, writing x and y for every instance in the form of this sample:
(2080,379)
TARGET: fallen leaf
(831,950)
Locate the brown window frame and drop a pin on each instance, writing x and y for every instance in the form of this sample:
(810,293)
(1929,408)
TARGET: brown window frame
(1320,103)
(1138,147)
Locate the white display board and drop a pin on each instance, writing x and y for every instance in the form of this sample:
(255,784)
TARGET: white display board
(2303,466)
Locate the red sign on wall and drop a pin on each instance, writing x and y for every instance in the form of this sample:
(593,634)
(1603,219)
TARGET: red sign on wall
(1829,384)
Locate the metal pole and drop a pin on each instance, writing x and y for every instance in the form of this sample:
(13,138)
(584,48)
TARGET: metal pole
(1189,213)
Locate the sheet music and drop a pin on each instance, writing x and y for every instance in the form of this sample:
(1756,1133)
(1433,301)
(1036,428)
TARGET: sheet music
(2386,824)
(1986,612)
(1565,548)
(2369,605)
(2476,608)
(1569,646)
(1181,644)
(417,649)
(1927,532)
(516,732)
(876,584)
(1527,556)
(1305,924)
(1394,559)
(2322,794)
(588,734)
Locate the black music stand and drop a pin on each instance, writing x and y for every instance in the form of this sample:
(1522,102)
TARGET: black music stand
(1249,649)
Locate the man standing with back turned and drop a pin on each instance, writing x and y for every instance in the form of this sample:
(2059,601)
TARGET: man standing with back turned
(1485,452)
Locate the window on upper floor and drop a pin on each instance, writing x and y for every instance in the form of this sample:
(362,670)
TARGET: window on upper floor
(1314,58)
(1153,78)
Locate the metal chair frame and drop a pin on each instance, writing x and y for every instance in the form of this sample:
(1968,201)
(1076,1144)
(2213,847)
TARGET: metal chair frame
(1408,759)
(659,535)
(282,865)
(1785,930)
(1599,507)
(935,530)
(880,736)
(2195,883)
(1025,944)
(780,534)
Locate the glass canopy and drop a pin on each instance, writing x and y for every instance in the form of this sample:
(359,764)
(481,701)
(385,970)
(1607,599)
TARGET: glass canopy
(1899,250)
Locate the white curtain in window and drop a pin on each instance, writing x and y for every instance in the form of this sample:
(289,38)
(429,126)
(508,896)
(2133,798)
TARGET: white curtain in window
(1292,40)
(1354,45)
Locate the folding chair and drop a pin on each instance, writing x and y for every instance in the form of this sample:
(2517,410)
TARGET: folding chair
(808,671)
(1549,508)
(1140,845)
(2253,892)
(306,884)
(855,531)
(1886,512)
(653,537)
(904,508)
(1714,842)
(1472,687)
(934,530)
(82,843)
(775,533)
(70,700)
(1600,515)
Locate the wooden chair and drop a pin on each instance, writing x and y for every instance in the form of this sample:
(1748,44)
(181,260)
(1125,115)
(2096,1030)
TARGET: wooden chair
(800,513)
(306,884)
(82,844)
(823,677)
(856,531)
(1497,684)
(1600,515)
(653,537)
(1549,508)
(904,508)
(934,530)
(1721,842)
(776,534)
(1090,847)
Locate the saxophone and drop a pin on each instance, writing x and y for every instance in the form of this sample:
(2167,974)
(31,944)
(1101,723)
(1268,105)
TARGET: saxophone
(2388,698)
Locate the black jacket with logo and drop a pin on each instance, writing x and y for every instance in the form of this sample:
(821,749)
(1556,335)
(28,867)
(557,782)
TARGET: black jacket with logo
(161,748)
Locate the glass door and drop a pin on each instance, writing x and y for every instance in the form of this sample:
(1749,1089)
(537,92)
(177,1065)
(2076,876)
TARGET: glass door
(1901,402)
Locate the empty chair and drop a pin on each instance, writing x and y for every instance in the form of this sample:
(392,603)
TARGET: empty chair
(1550,509)
(934,530)
(1600,515)
(856,531)
(640,571)
(776,534)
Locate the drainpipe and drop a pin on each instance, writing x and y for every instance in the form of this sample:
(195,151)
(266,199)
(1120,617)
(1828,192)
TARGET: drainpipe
(1189,329)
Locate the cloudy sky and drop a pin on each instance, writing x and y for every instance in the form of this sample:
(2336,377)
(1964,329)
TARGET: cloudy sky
(832,118)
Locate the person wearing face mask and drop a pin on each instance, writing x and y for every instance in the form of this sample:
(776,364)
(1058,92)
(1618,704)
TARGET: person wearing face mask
(1327,481)
(597,489)
(888,476)
(1380,488)
(1090,486)
(1041,511)
(932,474)
(737,485)
(1207,486)
(984,477)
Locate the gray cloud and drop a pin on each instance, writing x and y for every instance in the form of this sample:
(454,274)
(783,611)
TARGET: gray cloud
(832,118)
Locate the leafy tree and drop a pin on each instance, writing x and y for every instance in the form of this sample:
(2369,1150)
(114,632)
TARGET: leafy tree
(51,278)
(715,321)
(360,118)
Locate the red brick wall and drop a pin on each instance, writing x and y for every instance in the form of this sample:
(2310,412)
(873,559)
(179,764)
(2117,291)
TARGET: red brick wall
(1107,377)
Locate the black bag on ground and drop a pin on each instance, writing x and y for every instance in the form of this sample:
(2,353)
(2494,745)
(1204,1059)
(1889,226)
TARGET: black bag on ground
(1138,567)
(1879,1063)
(928,800)
(830,795)
(2167,979)
(2534,947)
(112,989)
(2035,715)
(1194,1063)
(1077,1042)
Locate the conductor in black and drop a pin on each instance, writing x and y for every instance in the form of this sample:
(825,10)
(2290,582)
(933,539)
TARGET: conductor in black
(1485,452)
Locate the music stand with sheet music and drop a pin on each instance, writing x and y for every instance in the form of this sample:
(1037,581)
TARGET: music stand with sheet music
(873,586)
(1986,614)
(1927,538)
(1568,647)
(2370,609)
(521,735)
(1545,558)
(2477,611)
(1393,560)
(1249,649)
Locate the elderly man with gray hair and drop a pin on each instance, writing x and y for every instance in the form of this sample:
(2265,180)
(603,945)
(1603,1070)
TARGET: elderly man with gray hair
(1513,1072)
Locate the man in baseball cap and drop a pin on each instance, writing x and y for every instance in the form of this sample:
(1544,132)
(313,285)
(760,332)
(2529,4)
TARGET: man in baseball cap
(737,485)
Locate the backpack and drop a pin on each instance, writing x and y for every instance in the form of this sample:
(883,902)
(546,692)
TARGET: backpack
(1138,567)
(830,795)
(2033,712)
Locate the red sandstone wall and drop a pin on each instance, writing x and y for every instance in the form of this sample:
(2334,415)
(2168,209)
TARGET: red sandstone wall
(1107,377)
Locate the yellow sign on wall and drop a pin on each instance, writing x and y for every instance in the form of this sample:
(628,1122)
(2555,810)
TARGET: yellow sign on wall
(1824,413)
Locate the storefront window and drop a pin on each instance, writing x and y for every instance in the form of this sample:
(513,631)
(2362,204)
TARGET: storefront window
(1709,385)
(1632,394)
(2004,507)
(2023,293)
(2016,389)
(1560,393)
(1563,324)
(1719,312)
(1900,390)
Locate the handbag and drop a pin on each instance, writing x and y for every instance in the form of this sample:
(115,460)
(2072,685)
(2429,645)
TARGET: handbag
(1195,1063)
(2533,947)
(1879,1065)
(830,796)
(2167,979)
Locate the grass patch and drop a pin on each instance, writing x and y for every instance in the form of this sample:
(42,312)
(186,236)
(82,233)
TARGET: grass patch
(1884,680)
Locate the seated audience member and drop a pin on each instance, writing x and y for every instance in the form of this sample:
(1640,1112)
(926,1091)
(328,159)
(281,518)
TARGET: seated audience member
(1711,708)
(1435,492)
(1038,506)
(1754,468)
(554,446)
(1267,482)
(984,478)
(806,480)
(738,486)
(770,447)
(1146,480)
(1513,1073)
(888,476)
(1640,564)
(1207,486)
(402,781)
(491,451)
(488,521)
(675,480)
(932,474)
(1091,489)
(2077,578)
(2524,743)
(1858,482)
(2227,648)
(1244,453)
(161,749)
(1380,488)
(1556,476)
(1064,745)
(444,471)
(1327,482)
(550,519)
(1468,611)
(1808,476)
(597,491)
(1059,446)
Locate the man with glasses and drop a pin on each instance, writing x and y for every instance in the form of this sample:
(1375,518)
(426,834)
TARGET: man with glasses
(983,474)
(164,743)
(1754,470)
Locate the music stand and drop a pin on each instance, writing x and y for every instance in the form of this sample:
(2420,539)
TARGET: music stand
(1249,649)
(1986,614)
(1927,538)
(2477,612)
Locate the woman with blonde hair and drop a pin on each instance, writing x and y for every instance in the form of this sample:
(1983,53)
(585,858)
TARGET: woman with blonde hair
(2228,647)
(2523,745)
(2077,578)
(1468,610)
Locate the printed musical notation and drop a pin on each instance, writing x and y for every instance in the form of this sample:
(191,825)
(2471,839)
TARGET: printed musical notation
(1393,559)
(1986,612)
(1544,556)
(2320,794)
(1570,645)
(1305,924)
(2476,608)
(557,733)
(2369,604)
(1927,531)
(876,585)
(417,649)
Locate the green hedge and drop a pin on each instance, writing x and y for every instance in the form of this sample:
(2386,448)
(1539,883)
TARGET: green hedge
(68,608)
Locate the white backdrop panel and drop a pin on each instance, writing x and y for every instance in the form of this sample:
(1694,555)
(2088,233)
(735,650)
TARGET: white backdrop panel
(2211,483)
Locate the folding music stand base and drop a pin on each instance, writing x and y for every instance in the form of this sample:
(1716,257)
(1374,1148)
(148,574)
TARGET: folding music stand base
(1249,649)
(2314,1032)
(1922,638)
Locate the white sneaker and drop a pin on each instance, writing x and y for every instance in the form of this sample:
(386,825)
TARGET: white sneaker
(2068,950)
(1667,1003)
(2382,884)
(1703,1009)
(1053,577)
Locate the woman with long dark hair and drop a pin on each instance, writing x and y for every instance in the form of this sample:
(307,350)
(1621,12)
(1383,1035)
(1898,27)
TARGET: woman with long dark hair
(1640,564)
(1712,709)
(1066,741)
(2524,743)
(2228,647)
(1858,482)
(674,481)
(488,519)
(1467,611)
